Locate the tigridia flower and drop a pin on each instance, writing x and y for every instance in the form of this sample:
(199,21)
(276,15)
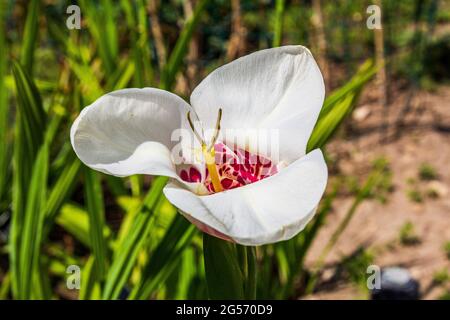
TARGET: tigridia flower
(222,179)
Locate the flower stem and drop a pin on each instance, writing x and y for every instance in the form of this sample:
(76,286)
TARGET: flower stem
(247,263)
(230,269)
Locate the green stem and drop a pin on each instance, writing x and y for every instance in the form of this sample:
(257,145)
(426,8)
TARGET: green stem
(278,23)
(250,288)
(230,269)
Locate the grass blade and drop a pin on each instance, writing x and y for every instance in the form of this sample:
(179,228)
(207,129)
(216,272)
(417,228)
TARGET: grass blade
(75,220)
(5,151)
(30,36)
(101,24)
(29,135)
(164,258)
(62,188)
(176,57)
(338,106)
(89,287)
(278,23)
(96,210)
(33,228)
(327,125)
(137,22)
(126,255)
(364,74)
(223,273)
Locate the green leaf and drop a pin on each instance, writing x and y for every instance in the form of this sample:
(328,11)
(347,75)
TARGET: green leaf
(101,22)
(251,274)
(223,273)
(63,187)
(188,271)
(5,286)
(29,135)
(5,150)
(122,76)
(30,36)
(33,223)
(329,123)
(131,206)
(278,23)
(94,203)
(126,255)
(89,83)
(75,220)
(32,117)
(90,288)
(164,258)
(364,74)
(338,106)
(136,17)
(176,57)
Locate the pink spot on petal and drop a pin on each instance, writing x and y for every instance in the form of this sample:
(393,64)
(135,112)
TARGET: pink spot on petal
(184,175)
(237,167)
(195,175)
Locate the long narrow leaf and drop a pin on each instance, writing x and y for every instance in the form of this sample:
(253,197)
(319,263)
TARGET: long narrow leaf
(75,220)
(125,257)
(176,57)
(33,227)
(5,151)
(62,187)
(89,287)
(29,135)
(278,23)
(338,106)
(94,202)
(164,258)
(100,22)
(223,273)
(30,35)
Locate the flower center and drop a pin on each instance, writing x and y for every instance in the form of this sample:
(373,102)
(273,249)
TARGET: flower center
(227,167)
(237,167)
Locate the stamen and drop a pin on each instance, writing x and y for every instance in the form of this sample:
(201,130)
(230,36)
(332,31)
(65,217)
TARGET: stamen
(209,152)
(210,159)
(191,124)
(217,130)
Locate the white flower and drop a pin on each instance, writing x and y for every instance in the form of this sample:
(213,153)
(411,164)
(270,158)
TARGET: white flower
(130,131)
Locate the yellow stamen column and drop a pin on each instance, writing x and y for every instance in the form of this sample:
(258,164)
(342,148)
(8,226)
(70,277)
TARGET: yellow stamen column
(210,159)
(209,152)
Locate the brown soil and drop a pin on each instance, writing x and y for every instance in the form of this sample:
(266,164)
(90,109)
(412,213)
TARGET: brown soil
(415,135)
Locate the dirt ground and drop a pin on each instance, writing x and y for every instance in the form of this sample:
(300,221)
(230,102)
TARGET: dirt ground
(415,135)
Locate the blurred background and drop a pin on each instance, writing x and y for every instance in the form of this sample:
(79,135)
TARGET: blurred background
(385,130)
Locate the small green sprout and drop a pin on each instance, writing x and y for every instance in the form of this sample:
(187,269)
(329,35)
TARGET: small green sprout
(408,235)
(414,195)
(427,172)
(447,249)
(441,277)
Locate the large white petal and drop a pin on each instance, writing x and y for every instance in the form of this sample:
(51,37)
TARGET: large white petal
(129,132)
(271,210)
(280,88)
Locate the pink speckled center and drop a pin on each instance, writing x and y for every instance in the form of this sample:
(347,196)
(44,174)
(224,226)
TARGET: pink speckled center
(236,168)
